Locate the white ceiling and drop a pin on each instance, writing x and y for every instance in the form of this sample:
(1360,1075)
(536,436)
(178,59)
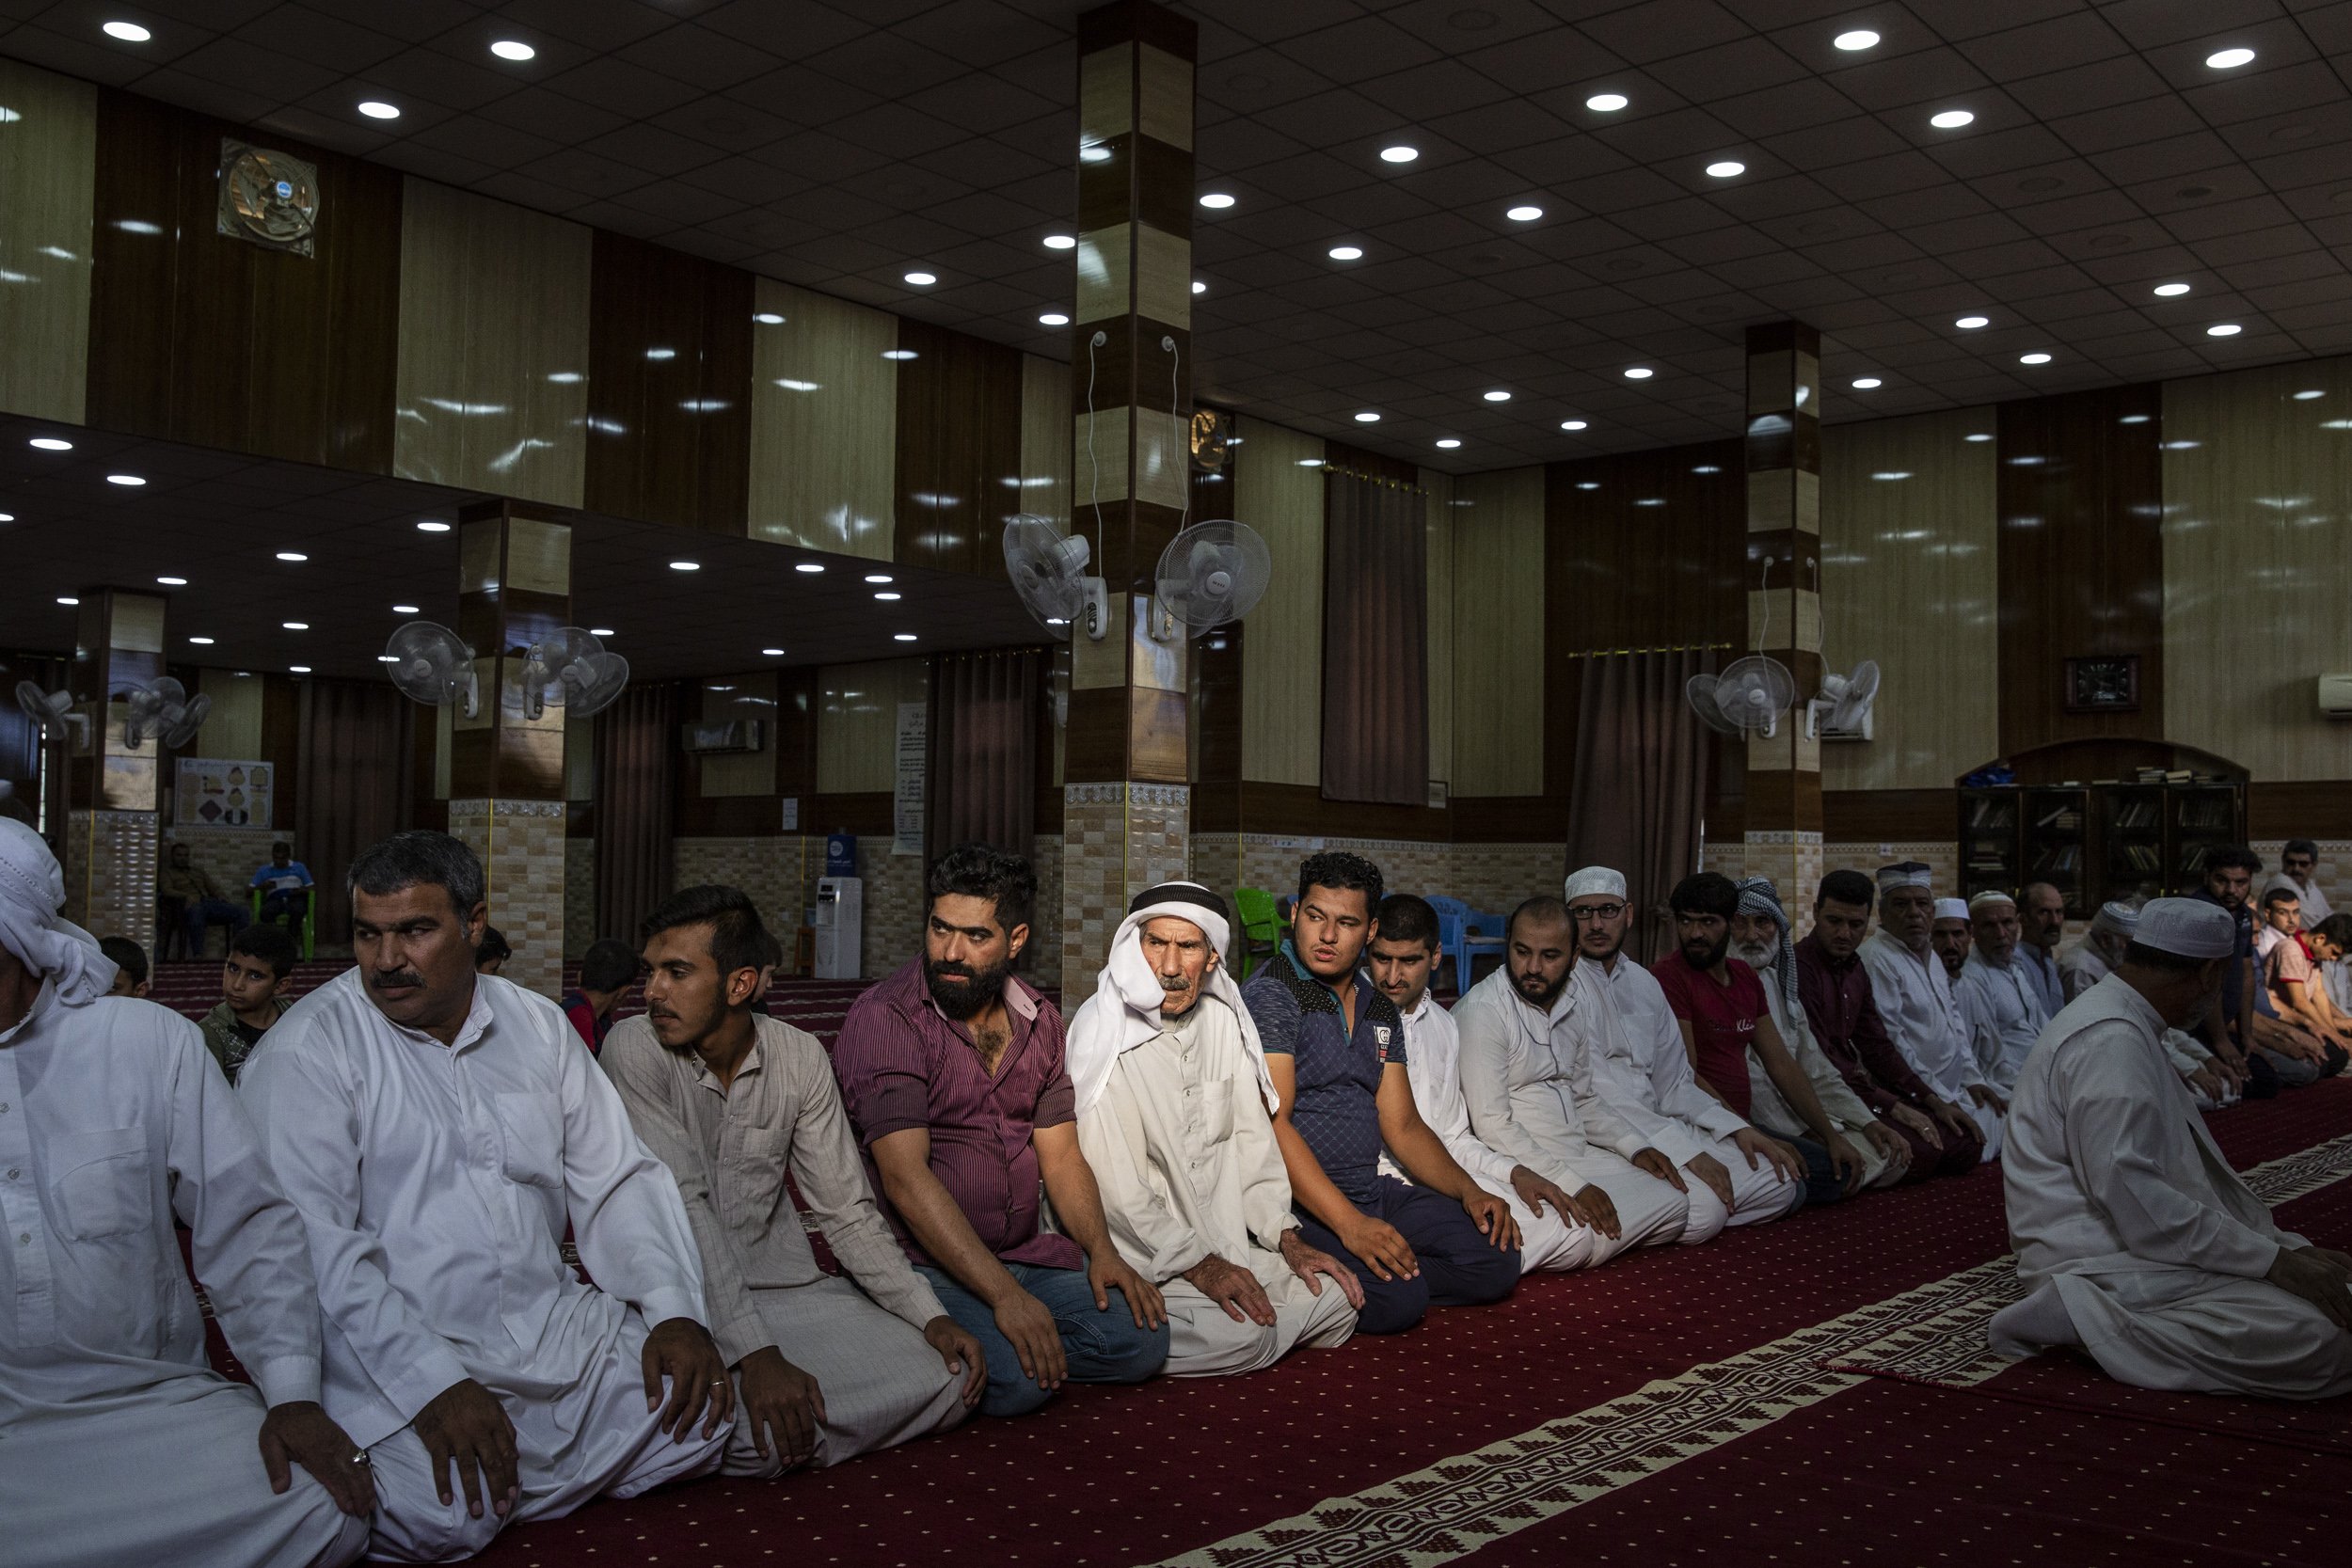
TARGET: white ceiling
(836,146)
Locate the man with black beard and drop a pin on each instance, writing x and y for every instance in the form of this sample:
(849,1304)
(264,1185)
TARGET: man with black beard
(954,1077)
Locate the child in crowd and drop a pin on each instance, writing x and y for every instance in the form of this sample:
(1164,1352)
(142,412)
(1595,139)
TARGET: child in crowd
(130,966)
(491,954)
(607,970)
(253,981)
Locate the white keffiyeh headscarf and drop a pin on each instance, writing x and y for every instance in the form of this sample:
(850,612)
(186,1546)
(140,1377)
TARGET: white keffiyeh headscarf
(1125,1010)
(32,891)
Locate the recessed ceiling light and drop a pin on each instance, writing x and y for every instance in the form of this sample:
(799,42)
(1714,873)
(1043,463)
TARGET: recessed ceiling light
(810,566)
(129,32)
(768,318)
(1346,253)
(889,595)
(685,565)
(51,443)
(1524,214)
(206,642)
(1198,287)
(1215,201)
(922,279)
(1399,155)
(877,577)
(2300,396)
(898,354)
(2224,330)
(2033,358)
(432,525)
(129,482)
(512,49)
(1447,442)
(68,600)
(1498,395)
(375,109)
(297,668)
(8,517)
(1952,119)
(1729,168)
(1860,38)
(1094,152)
(1573,424)
(1366,417)
(661,353)
(1708,469)
(1969,323)
(1061,242)
(771,653)
(294,556)
(1639,373)
(296,625)
(1588,484)
(1605,103)
(1866,383)
(387,658)
(602,631)
(1893,473)
(1053,318)
(173,582)
(902,637)
(1978,435)
(404,610)
(2170,291)
(2230,59)
(1310,462)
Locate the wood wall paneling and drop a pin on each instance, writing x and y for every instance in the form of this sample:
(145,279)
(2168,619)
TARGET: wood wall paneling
(1908,579)
(233,727)
(48,175)
(669,387)
(201,338)
(958,449)
(1045,433)
(1278,491)
(2081,558)
(724,700)
(2258,568)
(857,723)
(824,418)
(492,380)
(1498,692)
(1437,553)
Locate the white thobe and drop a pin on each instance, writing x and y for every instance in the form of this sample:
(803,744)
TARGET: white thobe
(1642,1069)
(118,1444)
(2004,1017)
(1770,1109)
(2083,966)
(1923,1017)
(1527,1079)
(1183,1150)
(1432,1065)
(2315,907)
(2120,1200)
(435,1182)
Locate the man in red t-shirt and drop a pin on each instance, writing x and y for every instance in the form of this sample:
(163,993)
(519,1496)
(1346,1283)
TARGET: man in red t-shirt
(1718,999)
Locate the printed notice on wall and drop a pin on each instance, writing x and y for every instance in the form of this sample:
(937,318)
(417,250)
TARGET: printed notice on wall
(214,792)
(914,757)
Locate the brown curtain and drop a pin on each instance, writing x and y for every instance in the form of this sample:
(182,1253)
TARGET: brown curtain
(983,782)
(353,742)
(1641,760)
(1375,645)
(636,761)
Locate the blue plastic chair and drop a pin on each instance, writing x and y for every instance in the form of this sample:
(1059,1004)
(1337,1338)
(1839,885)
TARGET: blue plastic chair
(1465,933)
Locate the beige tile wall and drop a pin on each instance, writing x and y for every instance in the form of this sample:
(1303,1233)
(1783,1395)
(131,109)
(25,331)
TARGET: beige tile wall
(579,898)
(109,872)
(521,844)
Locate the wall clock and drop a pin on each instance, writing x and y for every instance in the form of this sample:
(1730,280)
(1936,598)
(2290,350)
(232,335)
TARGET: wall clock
(2102,683)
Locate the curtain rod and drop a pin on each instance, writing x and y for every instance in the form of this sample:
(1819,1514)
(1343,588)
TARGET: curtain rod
(1659,648)
(1373,479)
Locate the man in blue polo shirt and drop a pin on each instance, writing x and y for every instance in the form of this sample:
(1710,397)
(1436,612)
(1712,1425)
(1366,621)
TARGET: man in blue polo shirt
(1336,1049)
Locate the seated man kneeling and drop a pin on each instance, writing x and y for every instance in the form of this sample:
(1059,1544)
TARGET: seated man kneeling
(731,1100)
(1175,1109)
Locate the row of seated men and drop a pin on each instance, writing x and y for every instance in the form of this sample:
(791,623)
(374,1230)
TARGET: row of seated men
(1195,1178)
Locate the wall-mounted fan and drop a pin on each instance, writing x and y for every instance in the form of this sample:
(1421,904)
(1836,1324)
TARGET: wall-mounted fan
(1748,698)
(52,711)
(1842,710)
(432,664)
(162,709)
(1049,572)
(568,669)
(1210,574)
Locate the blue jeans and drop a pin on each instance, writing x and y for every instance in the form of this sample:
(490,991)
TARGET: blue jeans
(1103,1347)
(211,911)
(1458,1266)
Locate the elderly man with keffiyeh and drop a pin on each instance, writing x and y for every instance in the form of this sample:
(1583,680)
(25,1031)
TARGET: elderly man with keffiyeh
(1175,1116)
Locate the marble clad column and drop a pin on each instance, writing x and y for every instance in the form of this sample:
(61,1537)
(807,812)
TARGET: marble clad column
(1127,804)
(112,790)
(1784,467)
(507,769)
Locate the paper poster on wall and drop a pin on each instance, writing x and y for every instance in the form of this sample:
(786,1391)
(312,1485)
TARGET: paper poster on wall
(218,792)
(907,798)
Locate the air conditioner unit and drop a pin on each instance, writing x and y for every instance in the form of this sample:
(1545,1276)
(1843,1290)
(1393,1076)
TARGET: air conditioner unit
(1816,730)
(719,738)
(2335,696)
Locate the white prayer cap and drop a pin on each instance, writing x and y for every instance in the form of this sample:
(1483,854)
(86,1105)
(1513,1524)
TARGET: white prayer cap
(2116,918)
(1990,895)
(1950,908)
(1904,874)
(2187,926)
(32,889)
(1595,878)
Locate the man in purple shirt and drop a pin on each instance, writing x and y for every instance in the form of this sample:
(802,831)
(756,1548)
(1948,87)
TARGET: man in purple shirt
(952,1072)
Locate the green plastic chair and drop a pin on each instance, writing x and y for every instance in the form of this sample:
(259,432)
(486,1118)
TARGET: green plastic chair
(307,934)
(1261,928)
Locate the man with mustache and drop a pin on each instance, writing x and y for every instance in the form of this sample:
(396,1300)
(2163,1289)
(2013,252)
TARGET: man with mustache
(732,1100)
(1949,937)
(1529,1076)
(2000,1001)
(1336,1052)
(954,1076)
(437,1129)
(1916,1002)
(1175,1113)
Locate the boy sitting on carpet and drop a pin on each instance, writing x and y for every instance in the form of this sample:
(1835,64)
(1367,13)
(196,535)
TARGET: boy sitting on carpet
(253,981)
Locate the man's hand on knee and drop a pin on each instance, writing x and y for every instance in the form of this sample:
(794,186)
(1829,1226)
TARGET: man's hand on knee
(2318,1279)
(784,1405)
(681,1350)
(1233,1288)
(465,1423)
(300,1432)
